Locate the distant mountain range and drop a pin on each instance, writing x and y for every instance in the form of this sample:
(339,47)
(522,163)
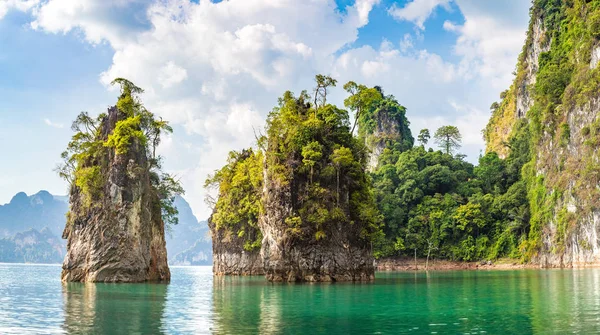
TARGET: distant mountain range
(31,229)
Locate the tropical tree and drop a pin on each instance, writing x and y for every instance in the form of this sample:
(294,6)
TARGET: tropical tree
(361,97)
(448,138)
(323,82)
(424,136)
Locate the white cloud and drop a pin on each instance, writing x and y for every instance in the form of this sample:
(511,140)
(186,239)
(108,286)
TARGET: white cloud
(364,7)
(106,20)
(216,69)
(20,5)
(417,11)
(406,43)
(171,74)
(53,124)
(490,38)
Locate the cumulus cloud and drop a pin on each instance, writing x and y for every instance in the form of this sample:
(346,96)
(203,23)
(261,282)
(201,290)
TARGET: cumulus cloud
(171,74)
(488,42)
(106,20)
(20,5)
(215,69)
(417,11)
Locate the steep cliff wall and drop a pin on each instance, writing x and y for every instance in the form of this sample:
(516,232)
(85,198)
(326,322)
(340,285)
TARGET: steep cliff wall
(118,234)
(229,255)
(291,252)
(120,199)
(319,214)
(518,99)
(554,105)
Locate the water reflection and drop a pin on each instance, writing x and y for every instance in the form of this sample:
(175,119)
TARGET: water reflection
(566,301)
(238,304)
(114,308)
(518,302)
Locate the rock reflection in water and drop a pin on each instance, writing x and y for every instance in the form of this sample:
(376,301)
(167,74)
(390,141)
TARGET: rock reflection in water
(114,308)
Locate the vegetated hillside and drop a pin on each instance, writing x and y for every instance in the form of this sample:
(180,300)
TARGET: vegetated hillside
(548,122)
(188,242)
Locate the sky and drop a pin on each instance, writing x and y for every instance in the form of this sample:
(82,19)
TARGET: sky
(215,69)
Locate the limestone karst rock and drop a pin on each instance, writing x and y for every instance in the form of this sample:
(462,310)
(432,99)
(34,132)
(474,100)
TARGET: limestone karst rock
(119,198)
(341,256)
(319,214)
(121,238)
(229,255)
(303,200)
(549,119)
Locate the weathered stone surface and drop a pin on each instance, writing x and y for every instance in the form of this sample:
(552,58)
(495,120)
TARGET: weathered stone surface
(565,154)
(342,256)
(581,246)
(119,238)
(386,129)
(229,256)
(539,45)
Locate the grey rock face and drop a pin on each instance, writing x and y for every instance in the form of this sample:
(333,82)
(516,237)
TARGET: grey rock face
(339,257)
(539,45)
(229,256)
(121,238)
(581,246)
(385,129)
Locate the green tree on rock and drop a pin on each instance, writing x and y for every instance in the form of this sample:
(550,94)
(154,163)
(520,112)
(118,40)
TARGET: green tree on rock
(448,138)
(84,161)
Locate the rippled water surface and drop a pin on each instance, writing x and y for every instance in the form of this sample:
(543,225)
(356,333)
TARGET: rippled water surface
(33,300)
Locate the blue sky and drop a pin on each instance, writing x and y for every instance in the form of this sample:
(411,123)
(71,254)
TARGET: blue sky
(216,69)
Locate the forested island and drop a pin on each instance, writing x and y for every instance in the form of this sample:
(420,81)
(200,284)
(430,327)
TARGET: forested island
(322,194)
(311,183)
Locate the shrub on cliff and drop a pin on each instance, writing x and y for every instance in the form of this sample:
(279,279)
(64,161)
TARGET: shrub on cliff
(86,158)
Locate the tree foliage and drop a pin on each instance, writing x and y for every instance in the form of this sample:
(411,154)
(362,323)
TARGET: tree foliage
(239,184)
(424,137)
(448,138)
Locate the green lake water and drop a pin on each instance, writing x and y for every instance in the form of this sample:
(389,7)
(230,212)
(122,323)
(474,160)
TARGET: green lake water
(33,300)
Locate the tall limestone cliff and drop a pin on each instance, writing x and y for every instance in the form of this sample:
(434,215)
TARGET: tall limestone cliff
(319,214)
(119,200)
(549,119)
(300,208)
(234,222)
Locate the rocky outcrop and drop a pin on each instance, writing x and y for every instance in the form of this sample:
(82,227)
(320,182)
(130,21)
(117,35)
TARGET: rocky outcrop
(342,256)
(384,125)
(119,236)
(303,200)
(538,44)
(229,255)
(387,129)
(558,113)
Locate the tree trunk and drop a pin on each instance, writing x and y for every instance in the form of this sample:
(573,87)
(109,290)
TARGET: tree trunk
(338,187)
(355,120)
(416,267)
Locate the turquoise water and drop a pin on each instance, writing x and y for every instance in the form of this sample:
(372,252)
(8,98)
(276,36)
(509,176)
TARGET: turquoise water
(33,300)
